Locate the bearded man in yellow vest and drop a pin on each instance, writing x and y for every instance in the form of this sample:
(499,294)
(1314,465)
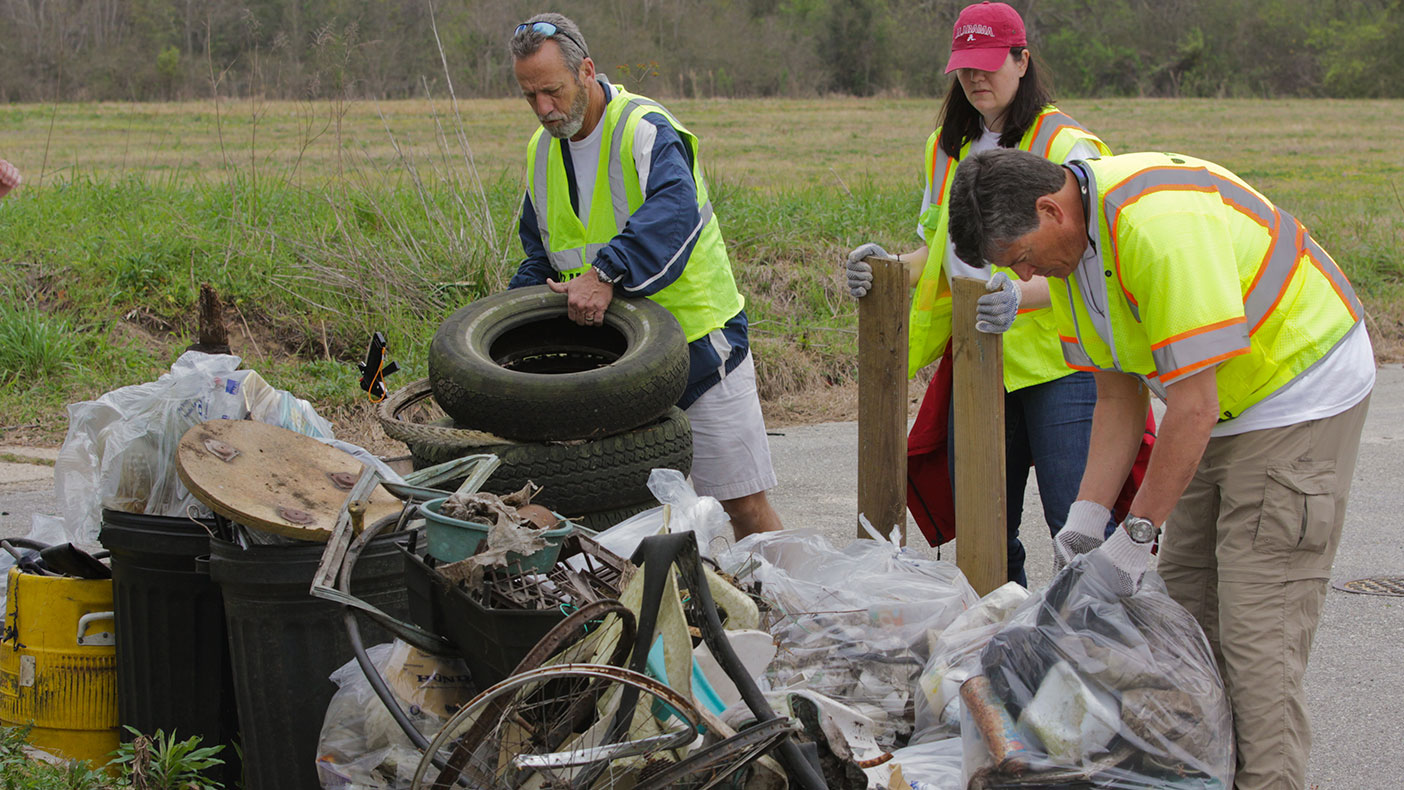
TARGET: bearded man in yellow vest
(1171,275)
(616,205)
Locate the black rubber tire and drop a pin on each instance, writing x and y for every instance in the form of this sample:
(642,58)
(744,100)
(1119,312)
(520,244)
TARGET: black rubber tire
(601,520)
(583,476)
(513,364)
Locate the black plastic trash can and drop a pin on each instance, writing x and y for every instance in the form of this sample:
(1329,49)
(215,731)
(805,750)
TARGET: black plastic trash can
(173,670)
(284,644)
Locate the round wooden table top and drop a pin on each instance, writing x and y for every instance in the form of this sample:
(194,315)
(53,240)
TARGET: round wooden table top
(273,479)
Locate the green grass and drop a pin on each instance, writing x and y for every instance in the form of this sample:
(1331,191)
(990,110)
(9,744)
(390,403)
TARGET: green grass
(319,224)
(18,771)
(155,762)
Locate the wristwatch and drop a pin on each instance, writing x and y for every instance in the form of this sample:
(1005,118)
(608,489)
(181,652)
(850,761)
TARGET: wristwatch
(1140,529)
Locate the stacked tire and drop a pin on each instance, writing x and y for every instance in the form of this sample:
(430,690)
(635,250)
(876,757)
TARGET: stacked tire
(587,412)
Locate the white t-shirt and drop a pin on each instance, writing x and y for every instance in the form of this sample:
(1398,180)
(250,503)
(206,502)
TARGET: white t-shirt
(1336,383)
(585,159)
(955,267)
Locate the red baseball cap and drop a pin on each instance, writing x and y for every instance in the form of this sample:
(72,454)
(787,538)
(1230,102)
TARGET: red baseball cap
(983,35)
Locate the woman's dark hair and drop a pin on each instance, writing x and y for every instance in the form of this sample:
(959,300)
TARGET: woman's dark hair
(960,121)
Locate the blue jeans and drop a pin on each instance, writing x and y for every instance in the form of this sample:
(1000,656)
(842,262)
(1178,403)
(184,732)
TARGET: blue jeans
(1048,425)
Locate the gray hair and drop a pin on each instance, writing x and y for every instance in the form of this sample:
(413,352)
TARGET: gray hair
(992,200)
(525,43)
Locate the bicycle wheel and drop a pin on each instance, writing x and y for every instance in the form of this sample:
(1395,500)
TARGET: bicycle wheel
(583,637)
(710,766)
(579,726)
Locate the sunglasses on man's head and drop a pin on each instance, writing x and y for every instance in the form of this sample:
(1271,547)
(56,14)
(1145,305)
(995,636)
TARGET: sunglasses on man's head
(548,29)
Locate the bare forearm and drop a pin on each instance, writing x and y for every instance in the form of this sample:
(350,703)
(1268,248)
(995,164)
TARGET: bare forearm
(1034,293)
(915,262)
(1118,421)
(1192,408)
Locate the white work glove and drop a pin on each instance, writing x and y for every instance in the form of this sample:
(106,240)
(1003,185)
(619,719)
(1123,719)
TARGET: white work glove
(860,274)
(1082,532)
(995,311)
(1130,560)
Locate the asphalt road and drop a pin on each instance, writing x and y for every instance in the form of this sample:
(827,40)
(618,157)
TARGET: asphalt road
(1354,685)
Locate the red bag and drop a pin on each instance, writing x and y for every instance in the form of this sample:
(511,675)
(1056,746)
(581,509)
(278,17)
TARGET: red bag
(929,496)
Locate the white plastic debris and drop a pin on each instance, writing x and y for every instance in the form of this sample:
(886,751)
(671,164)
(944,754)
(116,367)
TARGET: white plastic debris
(1072,719)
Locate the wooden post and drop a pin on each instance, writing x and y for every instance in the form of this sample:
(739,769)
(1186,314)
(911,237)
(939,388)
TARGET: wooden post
(978,403)
(212,337)
(882,399)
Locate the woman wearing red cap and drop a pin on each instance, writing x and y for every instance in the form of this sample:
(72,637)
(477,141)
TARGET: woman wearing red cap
(995,100)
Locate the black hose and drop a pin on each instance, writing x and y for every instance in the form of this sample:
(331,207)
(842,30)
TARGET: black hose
(353,632)
(658,554)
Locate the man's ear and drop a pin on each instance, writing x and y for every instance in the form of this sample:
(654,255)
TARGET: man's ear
(587,69)
(1048,207)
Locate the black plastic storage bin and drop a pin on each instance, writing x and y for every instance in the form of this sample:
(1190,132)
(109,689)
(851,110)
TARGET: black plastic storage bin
(173,671)
(284,644)
(491,641)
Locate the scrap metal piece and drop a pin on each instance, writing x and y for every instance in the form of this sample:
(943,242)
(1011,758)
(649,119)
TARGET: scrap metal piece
(222,450)
(293,515)
(709,766)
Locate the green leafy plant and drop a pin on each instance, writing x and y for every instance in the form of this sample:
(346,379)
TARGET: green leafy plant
(17,770)
(160,762)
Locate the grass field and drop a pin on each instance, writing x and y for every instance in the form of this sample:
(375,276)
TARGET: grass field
(319,223)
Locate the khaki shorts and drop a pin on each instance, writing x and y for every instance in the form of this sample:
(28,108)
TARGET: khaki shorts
(730,451)
(1247,551)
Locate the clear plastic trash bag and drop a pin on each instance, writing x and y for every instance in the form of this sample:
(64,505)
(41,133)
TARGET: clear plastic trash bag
(361,747)
(955,656)
(1083,688)
(851,624)
(689,512)
(120,449)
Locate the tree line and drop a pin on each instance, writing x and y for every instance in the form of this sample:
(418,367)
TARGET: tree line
(84,50)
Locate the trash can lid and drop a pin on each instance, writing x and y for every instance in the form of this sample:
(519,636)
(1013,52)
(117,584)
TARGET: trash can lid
(273,479)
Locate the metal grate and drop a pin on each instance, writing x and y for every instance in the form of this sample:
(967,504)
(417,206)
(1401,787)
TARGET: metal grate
(1374,585)
(597,573)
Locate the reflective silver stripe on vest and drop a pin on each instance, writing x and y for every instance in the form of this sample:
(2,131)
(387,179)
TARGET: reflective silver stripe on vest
(1075,356)
(540,169)
(1290,242)
(575,259)
(1289,237)
(1052,124)
(1197,349)
(617,190)
(1094,286)
(1327,266)
(938,165)
(568,261)
(619,194)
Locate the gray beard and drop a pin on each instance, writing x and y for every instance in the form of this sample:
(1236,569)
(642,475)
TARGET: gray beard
(571,125)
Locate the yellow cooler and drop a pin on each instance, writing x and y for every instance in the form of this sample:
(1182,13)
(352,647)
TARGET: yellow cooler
(58,665)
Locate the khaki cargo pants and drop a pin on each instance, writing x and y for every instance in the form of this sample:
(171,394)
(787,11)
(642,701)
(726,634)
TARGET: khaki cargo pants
(1248,550)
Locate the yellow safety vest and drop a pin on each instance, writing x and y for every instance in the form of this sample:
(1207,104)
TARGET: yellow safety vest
(1199,269)
(704,296)
(1031,351)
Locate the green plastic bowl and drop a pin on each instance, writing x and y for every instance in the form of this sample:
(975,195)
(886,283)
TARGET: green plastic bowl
(451,539)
